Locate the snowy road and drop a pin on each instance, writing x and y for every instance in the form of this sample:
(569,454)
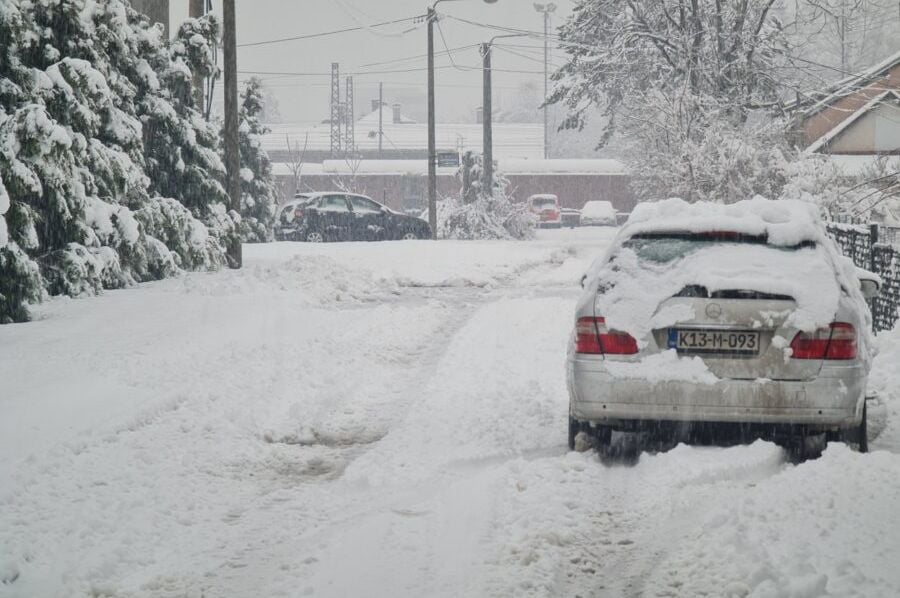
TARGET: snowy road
(389,420)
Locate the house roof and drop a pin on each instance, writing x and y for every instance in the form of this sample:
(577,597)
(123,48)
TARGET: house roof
(850,120)
(419,167)
(820,99)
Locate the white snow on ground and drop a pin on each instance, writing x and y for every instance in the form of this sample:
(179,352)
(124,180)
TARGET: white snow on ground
(388,419)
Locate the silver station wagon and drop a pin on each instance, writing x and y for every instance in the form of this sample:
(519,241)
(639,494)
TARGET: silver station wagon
(735,322)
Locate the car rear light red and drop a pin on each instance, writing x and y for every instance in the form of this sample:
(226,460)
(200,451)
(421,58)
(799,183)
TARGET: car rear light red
(298,213)
(838,341)
(594,338)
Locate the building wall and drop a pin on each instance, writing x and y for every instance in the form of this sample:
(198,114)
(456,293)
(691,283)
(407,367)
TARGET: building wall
(878,131)
(402,192)
(828,118)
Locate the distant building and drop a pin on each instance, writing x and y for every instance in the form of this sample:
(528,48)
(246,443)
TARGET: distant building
(857,116)
(156,10)
(403,138)
(402,184)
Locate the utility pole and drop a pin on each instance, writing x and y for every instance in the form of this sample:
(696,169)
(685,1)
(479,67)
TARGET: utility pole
(487,127)
(349,132)
(380,117)
(196,9)
(232,155)
(431,18)
(547,9)
(432,158)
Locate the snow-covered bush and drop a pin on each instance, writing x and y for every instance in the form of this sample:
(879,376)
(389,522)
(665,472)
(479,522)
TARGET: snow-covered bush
(867,195)
(478,215)
(723,162)
(259,194)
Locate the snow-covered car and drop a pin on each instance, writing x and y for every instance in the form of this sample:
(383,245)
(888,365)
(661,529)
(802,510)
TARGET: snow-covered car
(598,213)
(339,216)
(743,320)
(570,217)
(545,207)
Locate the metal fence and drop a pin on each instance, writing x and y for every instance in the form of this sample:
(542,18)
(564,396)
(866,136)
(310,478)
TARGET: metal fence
(874,248)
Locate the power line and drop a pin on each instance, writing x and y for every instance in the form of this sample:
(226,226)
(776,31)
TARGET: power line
(327,33)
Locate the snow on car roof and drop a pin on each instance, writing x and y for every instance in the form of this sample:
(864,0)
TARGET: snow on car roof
(783,222)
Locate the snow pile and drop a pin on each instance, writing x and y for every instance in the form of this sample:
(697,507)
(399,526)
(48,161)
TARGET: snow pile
(826,527)
(884,381)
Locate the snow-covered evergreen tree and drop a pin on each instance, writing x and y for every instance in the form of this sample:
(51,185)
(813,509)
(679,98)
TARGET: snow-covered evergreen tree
(89,104)
(259,194)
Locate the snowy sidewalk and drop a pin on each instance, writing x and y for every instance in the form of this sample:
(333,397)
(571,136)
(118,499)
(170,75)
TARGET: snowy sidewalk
(389,420)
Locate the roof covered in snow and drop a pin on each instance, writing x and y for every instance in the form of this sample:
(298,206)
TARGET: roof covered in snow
(844,87)
(511,140)
(506,166)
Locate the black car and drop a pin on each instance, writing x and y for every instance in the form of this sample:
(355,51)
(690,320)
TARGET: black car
(338,216)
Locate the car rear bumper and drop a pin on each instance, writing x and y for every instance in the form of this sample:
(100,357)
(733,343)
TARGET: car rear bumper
(832,399)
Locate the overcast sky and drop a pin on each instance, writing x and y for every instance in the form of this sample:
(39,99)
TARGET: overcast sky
(458,91)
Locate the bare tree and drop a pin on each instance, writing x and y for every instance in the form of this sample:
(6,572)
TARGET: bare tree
(296,158)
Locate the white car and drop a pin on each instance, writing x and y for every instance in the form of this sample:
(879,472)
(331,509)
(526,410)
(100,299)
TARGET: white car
(598,213)
(742,320)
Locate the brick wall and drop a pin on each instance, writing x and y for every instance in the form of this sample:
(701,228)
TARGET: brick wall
(403,191)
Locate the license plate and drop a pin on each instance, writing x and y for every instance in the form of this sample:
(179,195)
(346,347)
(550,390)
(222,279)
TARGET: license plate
(700,340)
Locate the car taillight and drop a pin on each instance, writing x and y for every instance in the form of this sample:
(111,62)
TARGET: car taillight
(298,213)
(594,338)
(838,341)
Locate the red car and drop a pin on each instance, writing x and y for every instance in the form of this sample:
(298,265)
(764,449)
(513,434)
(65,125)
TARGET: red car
(546,207)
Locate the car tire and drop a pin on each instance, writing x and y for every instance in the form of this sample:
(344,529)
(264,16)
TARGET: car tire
(408,235)
(314,236)
(858,435)
(574,429)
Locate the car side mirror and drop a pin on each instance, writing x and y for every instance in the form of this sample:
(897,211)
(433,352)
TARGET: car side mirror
(870,288)
(869,283)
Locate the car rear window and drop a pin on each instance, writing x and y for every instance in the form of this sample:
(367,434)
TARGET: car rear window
(666,247)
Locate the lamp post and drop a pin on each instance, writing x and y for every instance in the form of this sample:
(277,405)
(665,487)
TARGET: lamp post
(547,9)
(431,18)
(487,113)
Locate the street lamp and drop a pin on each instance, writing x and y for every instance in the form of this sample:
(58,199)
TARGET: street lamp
(431,18)
(487,137)
(547,9)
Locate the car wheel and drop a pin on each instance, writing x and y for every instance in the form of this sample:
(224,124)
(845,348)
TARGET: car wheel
(314,236)
(574,429)
(409,236)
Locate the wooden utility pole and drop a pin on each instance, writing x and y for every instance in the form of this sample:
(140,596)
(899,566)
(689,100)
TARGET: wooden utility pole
(432,152)
(487,128)
(380,118)
(196,9)
(232,155)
